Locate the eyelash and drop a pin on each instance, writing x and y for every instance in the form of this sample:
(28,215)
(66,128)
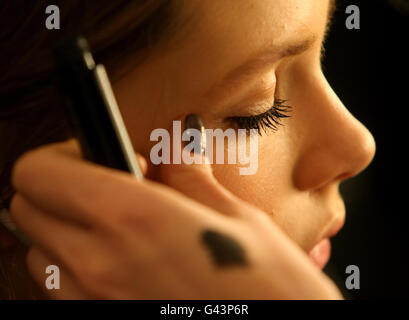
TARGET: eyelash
(266,120)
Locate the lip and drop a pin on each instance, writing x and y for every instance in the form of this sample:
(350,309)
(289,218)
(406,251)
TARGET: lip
(337,226)
(321,252)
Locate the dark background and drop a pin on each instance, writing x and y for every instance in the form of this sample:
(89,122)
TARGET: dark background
(367,69)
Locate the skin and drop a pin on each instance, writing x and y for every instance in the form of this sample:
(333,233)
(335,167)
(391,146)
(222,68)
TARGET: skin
(301,164)
(278,215)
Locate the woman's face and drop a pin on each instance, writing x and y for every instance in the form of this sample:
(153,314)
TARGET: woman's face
(233,58)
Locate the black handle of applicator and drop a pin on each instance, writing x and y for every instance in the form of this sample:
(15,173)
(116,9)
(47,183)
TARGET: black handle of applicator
(91,107)
(92,111)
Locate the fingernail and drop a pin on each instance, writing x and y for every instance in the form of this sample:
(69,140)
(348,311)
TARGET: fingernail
(193,121)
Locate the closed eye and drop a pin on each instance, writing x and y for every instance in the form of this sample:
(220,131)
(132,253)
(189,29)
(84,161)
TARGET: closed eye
(269,120)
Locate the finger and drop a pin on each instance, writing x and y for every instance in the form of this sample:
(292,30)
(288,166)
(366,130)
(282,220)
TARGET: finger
(198,182)
(83,255)
(63,284)
(70,147)
(63,241)
(143,164)
(193,175)
(56,179)
(91,195)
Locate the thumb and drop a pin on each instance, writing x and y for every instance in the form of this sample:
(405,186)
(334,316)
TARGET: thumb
(197,181)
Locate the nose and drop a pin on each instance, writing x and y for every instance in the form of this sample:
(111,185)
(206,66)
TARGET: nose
(333,144)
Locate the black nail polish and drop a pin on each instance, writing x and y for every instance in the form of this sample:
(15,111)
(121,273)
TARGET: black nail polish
(193,121)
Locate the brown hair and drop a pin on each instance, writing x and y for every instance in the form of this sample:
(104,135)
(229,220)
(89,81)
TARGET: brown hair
(31,115)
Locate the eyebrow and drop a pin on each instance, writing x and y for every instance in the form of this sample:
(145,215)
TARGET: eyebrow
(253,66)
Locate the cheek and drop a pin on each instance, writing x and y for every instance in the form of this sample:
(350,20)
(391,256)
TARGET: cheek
(270,183)
(145,103)
(271,188)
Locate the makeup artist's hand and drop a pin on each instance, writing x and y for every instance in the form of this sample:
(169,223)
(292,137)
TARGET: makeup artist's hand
(113,236)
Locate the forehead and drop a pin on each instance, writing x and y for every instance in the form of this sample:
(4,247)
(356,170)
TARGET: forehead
(251,23)
(219,35)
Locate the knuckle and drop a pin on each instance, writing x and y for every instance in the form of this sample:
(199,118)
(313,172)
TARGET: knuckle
(21,170)
(24,167)
(31,256)
(124,210)
(141,222)
(69,147)
(16,205)
(94,275)
(112,226)
(34,257)
(100,200)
